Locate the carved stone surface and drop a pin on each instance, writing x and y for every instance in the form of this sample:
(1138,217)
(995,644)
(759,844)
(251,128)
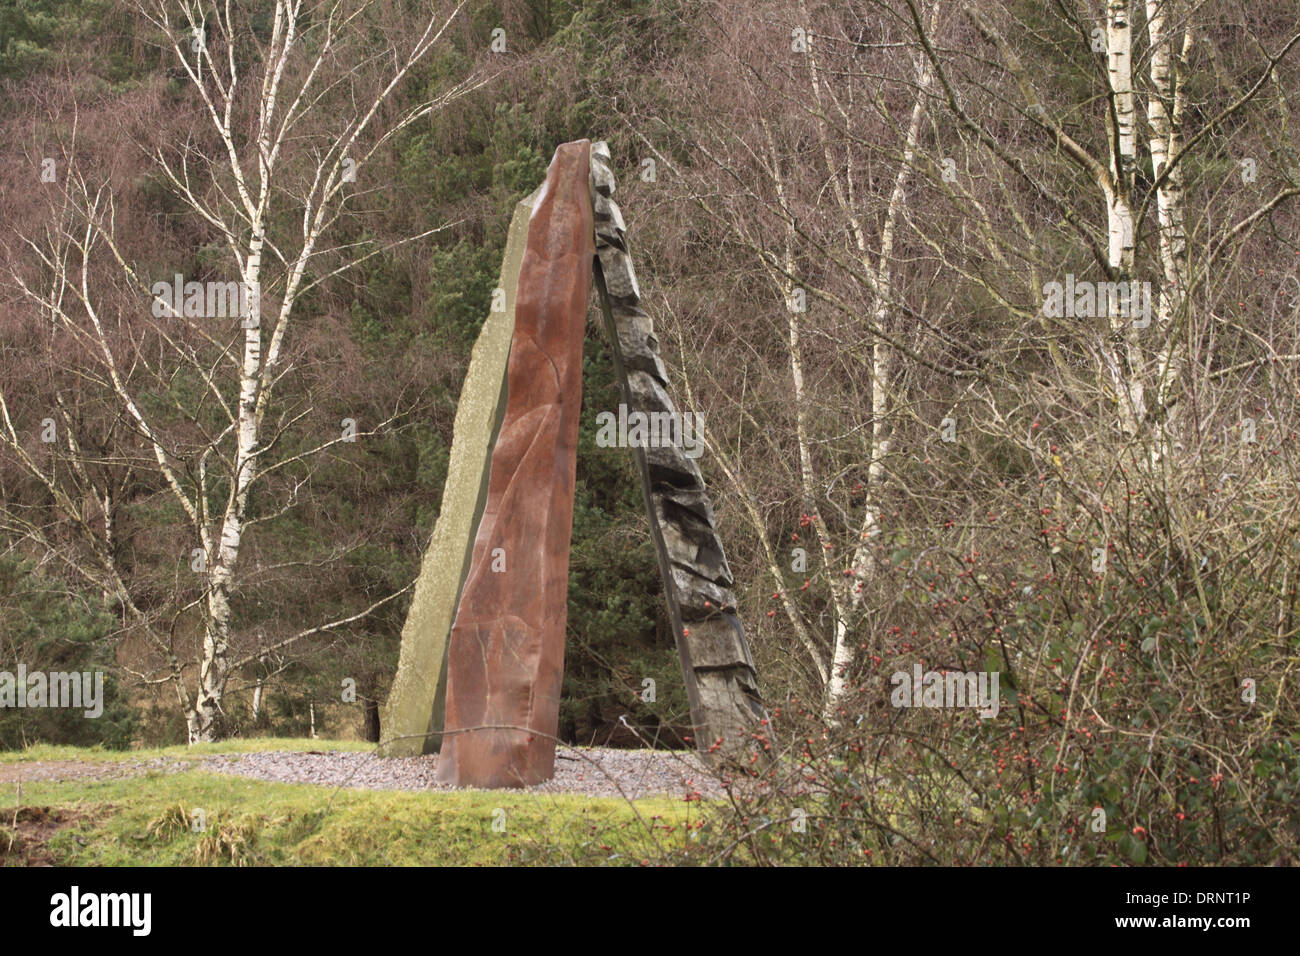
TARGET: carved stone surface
(721,682)
(506,656)
(413,714)
(486,627)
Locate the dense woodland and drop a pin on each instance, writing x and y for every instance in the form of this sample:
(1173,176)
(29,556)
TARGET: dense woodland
(849,220)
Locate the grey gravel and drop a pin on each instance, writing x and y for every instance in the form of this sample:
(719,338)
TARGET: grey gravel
(589,771)
(56,770)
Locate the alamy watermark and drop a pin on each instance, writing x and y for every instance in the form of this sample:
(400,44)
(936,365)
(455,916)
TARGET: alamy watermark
(82,691)
(977,689)
(1083,299)
(77,909)
(634,429)
(206,300)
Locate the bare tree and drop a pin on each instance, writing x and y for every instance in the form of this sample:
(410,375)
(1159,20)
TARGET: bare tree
(289,114)
(1143,370)
(818,202)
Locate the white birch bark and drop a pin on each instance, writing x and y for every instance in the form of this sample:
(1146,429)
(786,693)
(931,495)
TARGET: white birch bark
(1165,116)
(1120,350)
(848,589)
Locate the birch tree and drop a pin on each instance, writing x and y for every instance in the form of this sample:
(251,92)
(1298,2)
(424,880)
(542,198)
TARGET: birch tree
(287,124)
(806,200)
(1144,369)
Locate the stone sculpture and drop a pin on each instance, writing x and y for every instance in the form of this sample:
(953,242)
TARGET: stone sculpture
(721,681)
(487,618)
(506,657)
(416,703)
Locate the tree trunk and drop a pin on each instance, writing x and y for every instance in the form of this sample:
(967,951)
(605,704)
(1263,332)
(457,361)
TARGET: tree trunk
(371,716)
(1165,116)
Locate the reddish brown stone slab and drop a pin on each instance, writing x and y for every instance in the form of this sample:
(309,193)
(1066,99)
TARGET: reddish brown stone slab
(505,661)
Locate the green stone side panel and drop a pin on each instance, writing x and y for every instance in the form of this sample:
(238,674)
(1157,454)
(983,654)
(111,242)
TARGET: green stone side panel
(412,719)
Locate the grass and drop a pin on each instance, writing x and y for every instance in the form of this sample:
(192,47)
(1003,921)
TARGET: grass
(180,751)
(149,820)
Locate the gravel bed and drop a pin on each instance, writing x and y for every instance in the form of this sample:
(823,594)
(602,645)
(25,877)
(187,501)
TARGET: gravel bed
(590,771)
(55,770)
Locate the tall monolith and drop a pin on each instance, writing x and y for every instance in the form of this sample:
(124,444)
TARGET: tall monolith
(413,716)
(505,660)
